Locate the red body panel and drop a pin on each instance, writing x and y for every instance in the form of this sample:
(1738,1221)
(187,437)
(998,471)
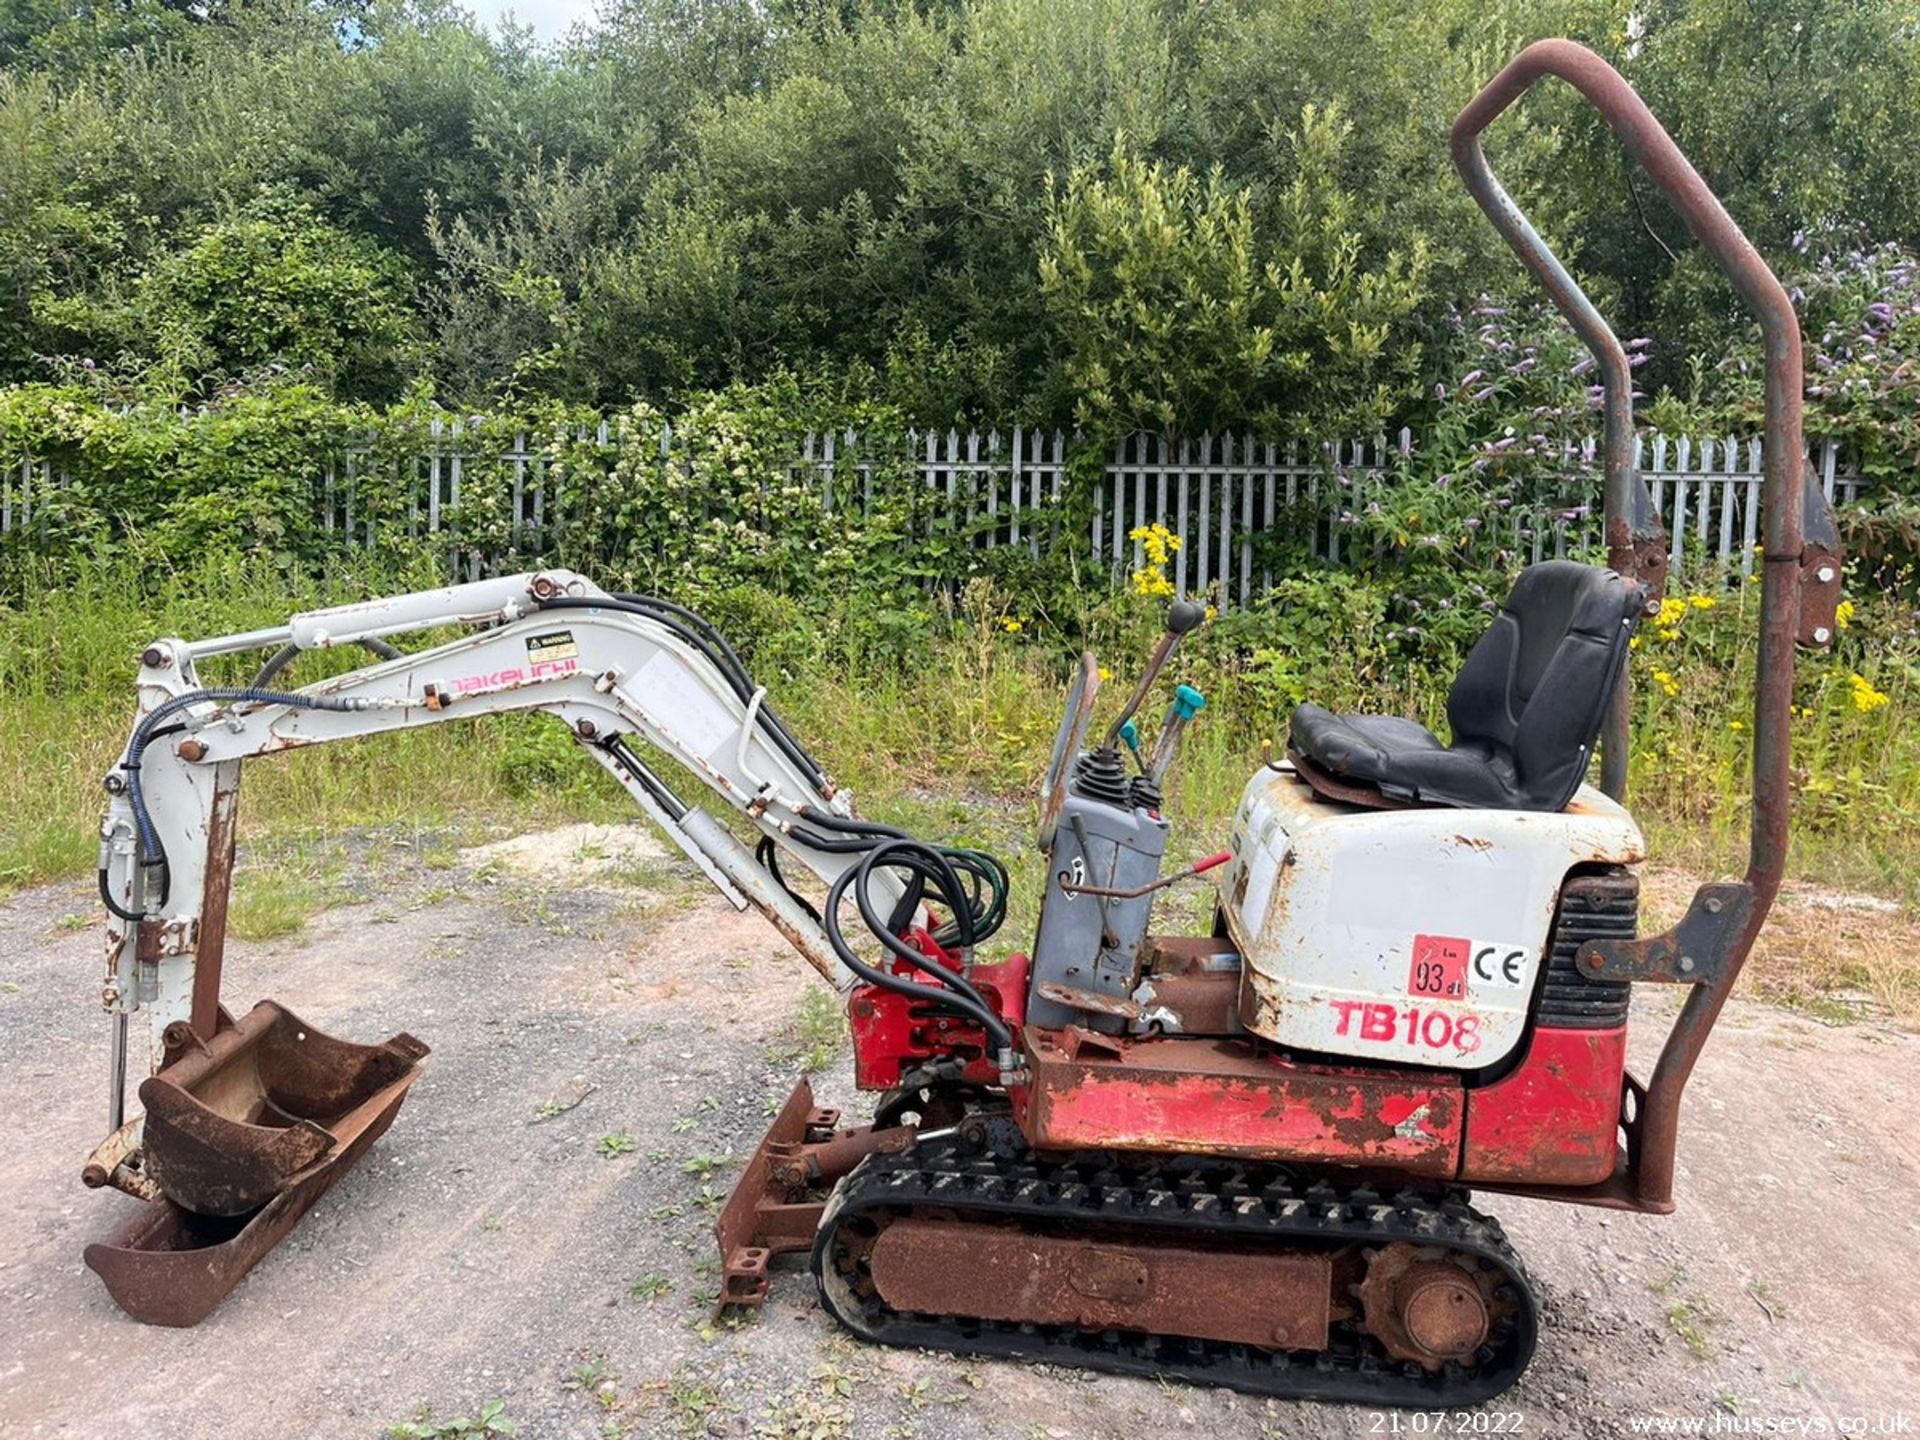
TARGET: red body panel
(1555,1119)
(892,1033)
(1224,1097)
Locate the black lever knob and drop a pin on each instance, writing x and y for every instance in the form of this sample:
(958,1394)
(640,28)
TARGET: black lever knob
(1184,616)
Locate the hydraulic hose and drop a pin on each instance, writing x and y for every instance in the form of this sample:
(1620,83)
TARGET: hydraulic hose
(702,637)
(287,654)
(954,992)
(151,853)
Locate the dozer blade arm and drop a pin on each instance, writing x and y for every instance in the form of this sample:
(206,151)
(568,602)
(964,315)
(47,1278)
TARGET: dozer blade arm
(613,668)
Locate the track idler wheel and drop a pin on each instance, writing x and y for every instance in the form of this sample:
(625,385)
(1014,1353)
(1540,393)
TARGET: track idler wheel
(1428,1305)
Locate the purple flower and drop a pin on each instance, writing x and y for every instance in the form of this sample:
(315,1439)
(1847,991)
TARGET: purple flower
(1471,376)
(1439,392)
(1582,365)
(1482,394)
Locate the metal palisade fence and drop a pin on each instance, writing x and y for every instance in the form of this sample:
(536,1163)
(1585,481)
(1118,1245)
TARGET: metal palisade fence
(1219,494)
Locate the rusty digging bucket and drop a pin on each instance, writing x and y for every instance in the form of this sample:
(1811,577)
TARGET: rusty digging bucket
(240,1137)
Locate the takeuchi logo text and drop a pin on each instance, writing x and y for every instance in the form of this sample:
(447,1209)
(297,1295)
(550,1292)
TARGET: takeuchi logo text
(515,675)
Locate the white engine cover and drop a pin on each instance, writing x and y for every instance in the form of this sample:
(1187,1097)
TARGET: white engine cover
(1410,935)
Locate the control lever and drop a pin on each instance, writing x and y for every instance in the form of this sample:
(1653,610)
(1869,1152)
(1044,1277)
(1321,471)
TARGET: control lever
(1187,703)
(1183,617)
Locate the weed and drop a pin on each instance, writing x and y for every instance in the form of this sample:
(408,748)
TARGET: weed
(815,1035)
(1689,1320)
(705,1165)
(1665,1285)
(586,1375)
(611,1146)
(692,1402)
(491,1419)
(649,1288)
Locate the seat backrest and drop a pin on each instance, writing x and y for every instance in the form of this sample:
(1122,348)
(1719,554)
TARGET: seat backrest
(1535,687)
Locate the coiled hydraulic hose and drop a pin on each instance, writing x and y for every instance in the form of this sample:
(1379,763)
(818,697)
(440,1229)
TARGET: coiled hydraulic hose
(954,992)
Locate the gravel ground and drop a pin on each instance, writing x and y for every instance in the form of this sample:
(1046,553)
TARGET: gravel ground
(483,1252)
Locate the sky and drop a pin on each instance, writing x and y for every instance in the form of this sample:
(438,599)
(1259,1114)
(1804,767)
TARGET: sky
(549,18)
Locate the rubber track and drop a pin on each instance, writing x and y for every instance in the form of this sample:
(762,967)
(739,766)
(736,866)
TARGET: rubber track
(1221,1200)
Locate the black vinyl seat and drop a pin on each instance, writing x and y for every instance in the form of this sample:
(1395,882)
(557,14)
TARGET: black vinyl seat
(1525,708)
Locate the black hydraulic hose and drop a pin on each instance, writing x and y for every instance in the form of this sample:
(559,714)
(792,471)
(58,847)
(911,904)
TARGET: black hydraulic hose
(151,853)
(846,826)
(720,651)
(717,652)
(947,995)
(113,905)
(644,777)
(287,654)
(768,854)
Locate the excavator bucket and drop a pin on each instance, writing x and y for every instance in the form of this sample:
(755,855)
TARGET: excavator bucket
(240,1137)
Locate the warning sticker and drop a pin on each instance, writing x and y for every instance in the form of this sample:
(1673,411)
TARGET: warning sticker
(554,645)
(1439,967)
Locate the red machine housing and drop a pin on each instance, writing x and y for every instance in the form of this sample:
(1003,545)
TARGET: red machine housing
(1553,1119)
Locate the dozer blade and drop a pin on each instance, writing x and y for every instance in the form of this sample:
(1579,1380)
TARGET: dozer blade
(241,1120)
(240,1139)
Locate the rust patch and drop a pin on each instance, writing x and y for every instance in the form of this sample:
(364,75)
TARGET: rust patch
(1271,1299)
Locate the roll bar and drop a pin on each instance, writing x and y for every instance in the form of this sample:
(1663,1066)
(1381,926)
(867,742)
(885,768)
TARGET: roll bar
(1800,579)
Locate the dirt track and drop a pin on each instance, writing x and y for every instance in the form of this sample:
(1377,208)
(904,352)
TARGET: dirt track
(480,1252)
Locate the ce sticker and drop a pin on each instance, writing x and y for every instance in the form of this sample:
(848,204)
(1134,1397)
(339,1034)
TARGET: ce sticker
(1494,966)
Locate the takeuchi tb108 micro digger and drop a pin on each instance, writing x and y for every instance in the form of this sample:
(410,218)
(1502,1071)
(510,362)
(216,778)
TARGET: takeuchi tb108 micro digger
(1245,1157)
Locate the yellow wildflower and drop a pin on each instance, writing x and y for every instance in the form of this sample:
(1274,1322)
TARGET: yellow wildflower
(1666,682)
(1157,545)
(1736,724)
(1672,610)
(1151,580)
(1010,625)
(1158,542)
(1865,698)
(1843,614)
(1702,602)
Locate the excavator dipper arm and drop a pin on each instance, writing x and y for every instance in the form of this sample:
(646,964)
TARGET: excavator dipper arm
(615,669)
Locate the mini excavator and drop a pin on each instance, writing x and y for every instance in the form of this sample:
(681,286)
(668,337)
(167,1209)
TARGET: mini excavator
(1243,1158)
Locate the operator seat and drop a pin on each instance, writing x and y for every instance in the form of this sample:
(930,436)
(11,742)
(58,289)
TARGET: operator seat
(1524,709)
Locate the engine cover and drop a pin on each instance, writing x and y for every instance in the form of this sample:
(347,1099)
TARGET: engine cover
(1409,935)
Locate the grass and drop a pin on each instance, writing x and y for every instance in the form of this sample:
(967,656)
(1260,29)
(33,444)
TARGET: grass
(270,903)
(951,746)
(817,1033)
